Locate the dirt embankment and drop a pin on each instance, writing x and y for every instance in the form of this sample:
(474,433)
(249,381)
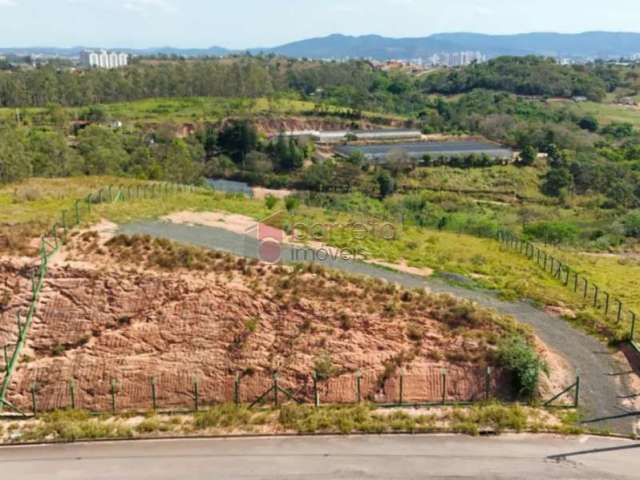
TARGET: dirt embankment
(128,310)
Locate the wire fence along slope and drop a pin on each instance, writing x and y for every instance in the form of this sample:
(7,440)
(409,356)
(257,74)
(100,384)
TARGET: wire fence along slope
(50,243)
(591,293)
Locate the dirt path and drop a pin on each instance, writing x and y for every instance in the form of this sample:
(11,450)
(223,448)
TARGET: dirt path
(606,383)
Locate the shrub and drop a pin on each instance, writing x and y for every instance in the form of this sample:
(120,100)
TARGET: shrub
(222,416)
(323,365)
(251,324)
(270,201)
(415,332)
(152,425)
(632,224)
(552,232)
(291,203)
(517,355)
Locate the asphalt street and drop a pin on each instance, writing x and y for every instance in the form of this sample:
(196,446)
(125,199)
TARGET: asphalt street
(310,458)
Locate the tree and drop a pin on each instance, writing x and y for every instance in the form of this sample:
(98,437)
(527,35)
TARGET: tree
(589,123)
(528,155)
(181,162)
(287,154)
(102,151)
(237,139)
(15,164)
(259,162)
(95,113)
(51,155)
(556,181)
(632,224)
(386,185)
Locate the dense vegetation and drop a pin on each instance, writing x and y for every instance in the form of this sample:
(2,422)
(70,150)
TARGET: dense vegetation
(591,163)
(527,76)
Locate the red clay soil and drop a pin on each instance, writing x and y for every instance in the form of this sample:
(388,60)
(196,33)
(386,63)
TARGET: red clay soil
(106,319)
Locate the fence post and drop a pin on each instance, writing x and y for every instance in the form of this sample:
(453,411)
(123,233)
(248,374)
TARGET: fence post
(586,287)
(236,390)
(34,405)
(72,393)
(64,223)
(487,383)
(196,395)
(77,207)
(595,296)
(444,385)
(619,317)
(606,304)
(275,389)
(316,396)
(358,389)
(401,393)
(633,325)
(154,397)
(575,283)
(576,401)
(566,280)
(113,396)
(110,193)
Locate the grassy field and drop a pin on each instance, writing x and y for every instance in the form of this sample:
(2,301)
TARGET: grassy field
(184,110)
(507,179)
(27,208)
(605,112)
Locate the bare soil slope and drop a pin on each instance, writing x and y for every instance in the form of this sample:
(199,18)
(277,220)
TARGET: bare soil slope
(138,308)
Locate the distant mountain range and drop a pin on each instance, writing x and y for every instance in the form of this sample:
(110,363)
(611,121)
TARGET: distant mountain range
(581,45)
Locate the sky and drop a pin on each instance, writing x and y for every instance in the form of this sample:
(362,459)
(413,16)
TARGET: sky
(264,23)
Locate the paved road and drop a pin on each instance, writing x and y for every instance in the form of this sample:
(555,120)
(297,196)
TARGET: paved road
(402,457)
(604,381)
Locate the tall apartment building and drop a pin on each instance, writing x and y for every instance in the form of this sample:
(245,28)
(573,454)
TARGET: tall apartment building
(103,59)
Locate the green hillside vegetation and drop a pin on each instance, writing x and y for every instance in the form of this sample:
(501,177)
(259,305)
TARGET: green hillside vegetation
(527,76)
(180,110)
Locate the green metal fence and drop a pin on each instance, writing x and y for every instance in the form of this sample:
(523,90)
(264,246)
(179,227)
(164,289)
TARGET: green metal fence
(592,294)
(438,387)
(50,243)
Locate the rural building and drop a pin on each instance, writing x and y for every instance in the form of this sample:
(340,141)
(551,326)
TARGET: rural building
(337,136)
(418,150)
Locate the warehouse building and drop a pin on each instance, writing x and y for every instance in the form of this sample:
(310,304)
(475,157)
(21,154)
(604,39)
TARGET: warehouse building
(338,136)
(380,153)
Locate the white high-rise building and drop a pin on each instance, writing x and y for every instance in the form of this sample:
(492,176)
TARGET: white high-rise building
(104,59)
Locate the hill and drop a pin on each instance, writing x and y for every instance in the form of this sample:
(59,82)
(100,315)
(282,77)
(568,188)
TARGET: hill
(588,44)
(338,46)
